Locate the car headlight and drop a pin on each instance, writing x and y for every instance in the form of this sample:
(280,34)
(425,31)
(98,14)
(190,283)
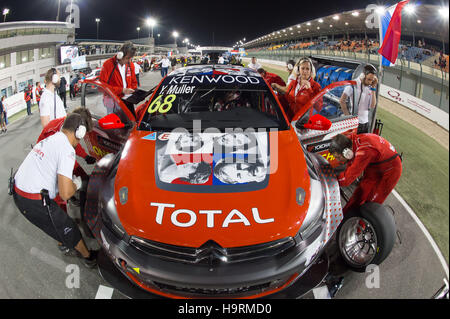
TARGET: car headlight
(108,210)
(315,213)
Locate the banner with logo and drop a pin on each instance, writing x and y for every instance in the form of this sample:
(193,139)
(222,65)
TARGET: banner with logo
(423,108)
(15,104)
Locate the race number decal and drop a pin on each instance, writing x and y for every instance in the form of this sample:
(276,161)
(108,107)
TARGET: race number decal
(165,107)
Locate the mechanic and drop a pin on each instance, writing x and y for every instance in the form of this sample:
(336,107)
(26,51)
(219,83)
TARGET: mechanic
(254,65)
(51,106)
(372,156)
(118,72)
(38,91)
(274,78)
(28,95)
(366,95)
(301,89)
(49,166)
(73,81)
(55,126)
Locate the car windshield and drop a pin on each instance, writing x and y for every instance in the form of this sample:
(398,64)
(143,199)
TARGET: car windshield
(225,97)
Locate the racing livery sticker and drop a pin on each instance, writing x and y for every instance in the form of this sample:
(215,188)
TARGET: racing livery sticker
(212,162)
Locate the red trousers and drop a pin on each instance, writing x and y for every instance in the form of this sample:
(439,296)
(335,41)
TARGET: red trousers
(376,185)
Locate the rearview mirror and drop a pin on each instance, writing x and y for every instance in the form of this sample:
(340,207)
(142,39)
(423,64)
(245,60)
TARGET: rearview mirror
(110,121)
(318,122)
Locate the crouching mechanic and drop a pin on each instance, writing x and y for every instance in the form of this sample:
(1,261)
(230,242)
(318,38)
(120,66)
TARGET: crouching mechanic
(55,126)
(49,166)
(372,156)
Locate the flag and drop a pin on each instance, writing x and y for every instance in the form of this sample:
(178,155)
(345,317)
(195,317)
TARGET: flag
(390,33)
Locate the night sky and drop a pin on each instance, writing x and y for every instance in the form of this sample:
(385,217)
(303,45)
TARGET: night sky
(203,22)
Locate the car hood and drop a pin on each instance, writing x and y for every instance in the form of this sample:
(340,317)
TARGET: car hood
(162,204)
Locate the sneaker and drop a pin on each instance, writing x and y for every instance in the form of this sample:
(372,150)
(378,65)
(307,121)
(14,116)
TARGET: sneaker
(67,251)
(91,261)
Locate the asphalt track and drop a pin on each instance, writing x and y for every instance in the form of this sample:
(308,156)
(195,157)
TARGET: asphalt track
(31,265)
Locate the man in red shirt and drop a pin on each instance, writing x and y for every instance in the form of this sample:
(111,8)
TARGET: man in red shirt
(118,72)
(55,126)
(28,95)
(274,78)
(39,91)
(376,158)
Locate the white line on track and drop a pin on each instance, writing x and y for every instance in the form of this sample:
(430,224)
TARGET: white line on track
(104,292)
(48,259)
(321,292)
(424,230)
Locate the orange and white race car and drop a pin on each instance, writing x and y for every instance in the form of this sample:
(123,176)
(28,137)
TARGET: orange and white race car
(206,190)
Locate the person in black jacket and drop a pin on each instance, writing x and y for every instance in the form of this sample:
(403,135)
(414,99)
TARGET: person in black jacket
(62,91)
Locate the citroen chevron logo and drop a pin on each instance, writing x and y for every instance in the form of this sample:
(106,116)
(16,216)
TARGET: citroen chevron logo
(211,252)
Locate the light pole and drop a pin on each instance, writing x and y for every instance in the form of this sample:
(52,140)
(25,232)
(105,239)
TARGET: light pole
(151,23)
(59,8)
(175,35)
(5,13)
(138,29)
(97,20)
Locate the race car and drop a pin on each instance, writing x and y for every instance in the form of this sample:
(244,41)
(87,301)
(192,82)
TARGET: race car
(207,191)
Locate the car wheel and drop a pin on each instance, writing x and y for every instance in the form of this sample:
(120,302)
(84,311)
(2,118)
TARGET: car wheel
(366,236)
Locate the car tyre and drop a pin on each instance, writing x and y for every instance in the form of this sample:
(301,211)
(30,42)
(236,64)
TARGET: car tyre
(366,236)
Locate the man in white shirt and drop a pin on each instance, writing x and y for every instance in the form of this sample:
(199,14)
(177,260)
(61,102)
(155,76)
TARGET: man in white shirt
(366,97)
(254,65)
(137,70)
(221,60)
(165,64)
(51,106)
(49,166)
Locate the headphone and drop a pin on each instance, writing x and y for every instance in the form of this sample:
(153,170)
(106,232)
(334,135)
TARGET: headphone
(55,76)
(81,130)
(290,67)
(347,153)
(120,55)
(367,70)
(313,69)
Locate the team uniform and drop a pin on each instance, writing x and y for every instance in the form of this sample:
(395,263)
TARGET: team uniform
(298,96)
(118,77)
(39,91)
(49,158)
(27,97)
(381,165)
(51,105)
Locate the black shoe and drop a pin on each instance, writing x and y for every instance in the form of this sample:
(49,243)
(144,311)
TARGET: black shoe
(334,284)
(91,261)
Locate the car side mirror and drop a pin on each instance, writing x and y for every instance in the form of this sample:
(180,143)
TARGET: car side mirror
(110,121)
(318,122)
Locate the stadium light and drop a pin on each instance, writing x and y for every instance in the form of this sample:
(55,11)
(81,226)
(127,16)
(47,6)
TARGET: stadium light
(380,10)
(336,17)
(5,13)
(355,13)
(138,29)
(175,34)
(320,20)
(443,12)
(151,23)
(410,9)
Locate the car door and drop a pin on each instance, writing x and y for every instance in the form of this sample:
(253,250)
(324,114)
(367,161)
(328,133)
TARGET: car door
(101,101)
(326,103)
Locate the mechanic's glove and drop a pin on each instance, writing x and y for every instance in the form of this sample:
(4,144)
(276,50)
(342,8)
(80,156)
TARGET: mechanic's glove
(90,160)
(77,181)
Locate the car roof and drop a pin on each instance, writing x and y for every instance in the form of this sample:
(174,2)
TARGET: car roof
(209,68)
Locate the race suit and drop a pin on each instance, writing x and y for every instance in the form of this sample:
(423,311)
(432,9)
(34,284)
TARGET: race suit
(381,165)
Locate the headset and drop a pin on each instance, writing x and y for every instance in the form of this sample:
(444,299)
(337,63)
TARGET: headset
(55,76)
(313,69)
(367,70)
(120,55)
(290,66)
(81,130)
(346,152)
